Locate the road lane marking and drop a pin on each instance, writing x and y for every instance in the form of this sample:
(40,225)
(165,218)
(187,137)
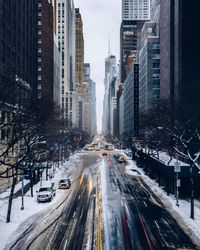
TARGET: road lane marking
(65,244)
(74,214)
(145,204)
(157,225)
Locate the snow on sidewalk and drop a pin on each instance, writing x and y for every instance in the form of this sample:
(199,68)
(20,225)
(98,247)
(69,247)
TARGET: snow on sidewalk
(181,213)
(31,206)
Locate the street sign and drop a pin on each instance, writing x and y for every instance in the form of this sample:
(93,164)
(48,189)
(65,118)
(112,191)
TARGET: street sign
(177,167)
(178,183)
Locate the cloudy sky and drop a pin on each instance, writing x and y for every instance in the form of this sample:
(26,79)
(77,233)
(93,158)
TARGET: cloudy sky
(101,19)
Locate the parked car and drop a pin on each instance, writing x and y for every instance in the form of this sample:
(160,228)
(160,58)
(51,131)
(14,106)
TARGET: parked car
(46,192)
(128,152)
(96,148)
(64,183)
(89,147)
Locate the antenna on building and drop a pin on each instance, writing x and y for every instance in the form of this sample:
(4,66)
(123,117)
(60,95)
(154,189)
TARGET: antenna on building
(109,45)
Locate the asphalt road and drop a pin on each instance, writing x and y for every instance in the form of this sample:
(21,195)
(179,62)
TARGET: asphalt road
(72,225)
(105,209)
(135,218)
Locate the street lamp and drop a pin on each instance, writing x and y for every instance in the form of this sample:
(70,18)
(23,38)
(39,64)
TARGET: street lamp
(177,169)
(22,205)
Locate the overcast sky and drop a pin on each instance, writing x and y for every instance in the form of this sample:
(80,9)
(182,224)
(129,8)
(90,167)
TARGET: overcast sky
(101,19)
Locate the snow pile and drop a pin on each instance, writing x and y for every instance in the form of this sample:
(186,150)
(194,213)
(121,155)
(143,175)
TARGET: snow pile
(10,231)
(165,158)
(17,188)
(181,213)
(162,157)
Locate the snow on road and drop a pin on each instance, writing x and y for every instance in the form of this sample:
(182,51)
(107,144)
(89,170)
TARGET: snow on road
(20,219)
(105,203)
(181,213)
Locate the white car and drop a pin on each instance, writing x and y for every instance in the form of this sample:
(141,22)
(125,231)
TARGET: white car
(64,183)
(128,152)
(96,148)
(46,193)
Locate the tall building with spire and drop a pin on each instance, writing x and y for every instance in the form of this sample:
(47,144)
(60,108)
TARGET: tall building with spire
(109,102)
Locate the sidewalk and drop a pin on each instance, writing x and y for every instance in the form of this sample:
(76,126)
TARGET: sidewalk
(181,213)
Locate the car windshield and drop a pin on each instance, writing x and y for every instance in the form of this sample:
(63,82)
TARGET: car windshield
(43,189)
(64,181)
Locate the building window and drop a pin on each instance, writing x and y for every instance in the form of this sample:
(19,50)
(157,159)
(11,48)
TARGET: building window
(39,50)
(39,68)
(39,31)
(39,40)
(39,77)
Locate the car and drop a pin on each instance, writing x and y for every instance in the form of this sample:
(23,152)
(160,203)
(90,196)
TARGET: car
(64,183)
(90,148)
(109,146)
(122,159)
(104,153)
(96,148)
(116,156)
(46,193)
(86,147)
(128,152)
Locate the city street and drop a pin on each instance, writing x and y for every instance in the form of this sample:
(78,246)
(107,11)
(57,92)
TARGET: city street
(99,125)
(135,217)
(105,209)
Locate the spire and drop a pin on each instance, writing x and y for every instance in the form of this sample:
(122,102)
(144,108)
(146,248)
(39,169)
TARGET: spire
(109,45)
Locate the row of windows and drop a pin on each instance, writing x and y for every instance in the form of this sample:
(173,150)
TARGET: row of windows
(59,5)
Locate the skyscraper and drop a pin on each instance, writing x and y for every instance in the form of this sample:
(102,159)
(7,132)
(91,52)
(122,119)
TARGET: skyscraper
(18,50)
(149,60)
(79,48)
(18,67)
(45,51)
(134,14)
(109,94)
(131,102)
(180,56)
(65,26)
(135,9)
(128,45)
